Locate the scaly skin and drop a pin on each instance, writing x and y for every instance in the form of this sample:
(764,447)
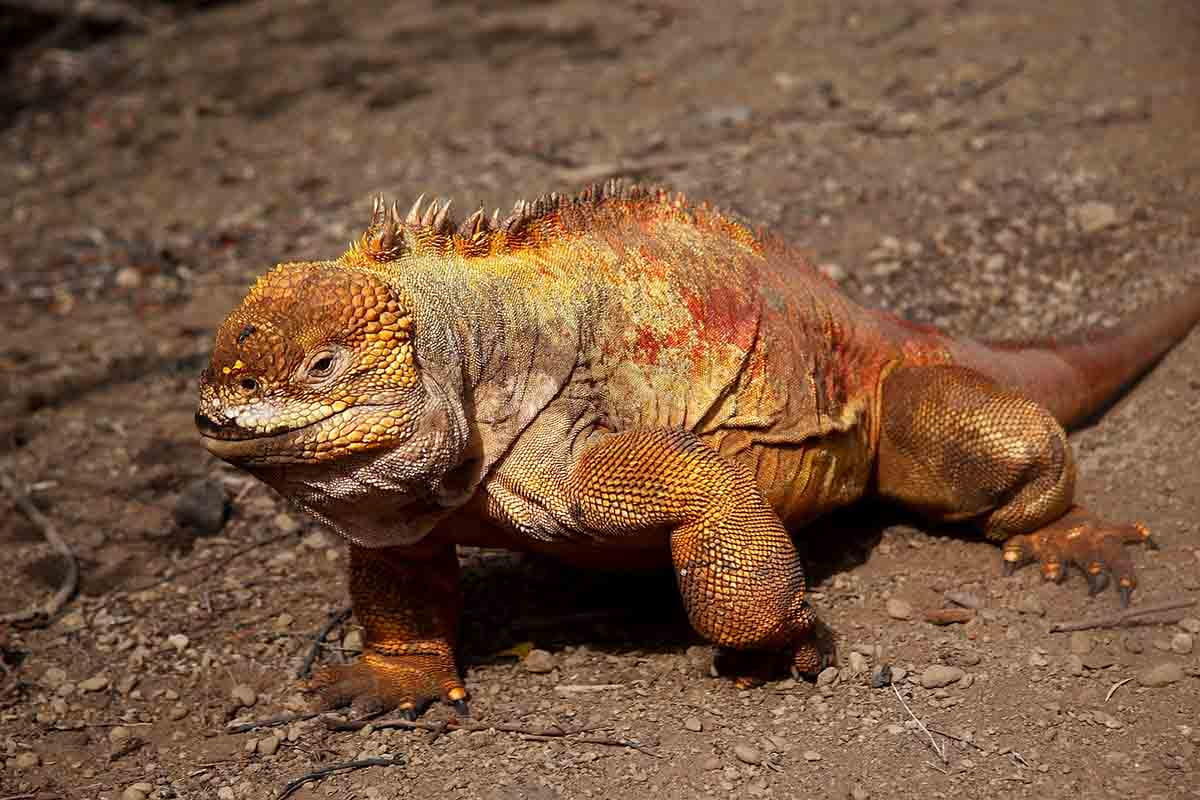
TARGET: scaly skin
(620,377)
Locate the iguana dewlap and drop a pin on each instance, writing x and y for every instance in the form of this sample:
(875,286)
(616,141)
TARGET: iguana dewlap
(625,375)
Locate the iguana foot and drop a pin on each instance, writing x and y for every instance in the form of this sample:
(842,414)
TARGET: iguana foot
(377,683)
(1094,546)
(750,668)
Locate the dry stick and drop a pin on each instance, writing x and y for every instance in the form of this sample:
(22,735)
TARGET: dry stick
(932,742)
(456,725)
(291,788)
(51,607)
(270,722)
(1131,616)
(335,619)
(1114,688)
(978,747)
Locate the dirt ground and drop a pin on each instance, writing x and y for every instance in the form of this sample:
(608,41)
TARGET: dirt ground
(1007,168)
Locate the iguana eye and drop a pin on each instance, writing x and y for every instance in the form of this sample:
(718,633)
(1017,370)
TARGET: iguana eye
(321,365)
(249,384)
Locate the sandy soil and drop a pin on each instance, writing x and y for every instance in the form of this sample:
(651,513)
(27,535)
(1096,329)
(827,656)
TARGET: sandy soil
(1010,168)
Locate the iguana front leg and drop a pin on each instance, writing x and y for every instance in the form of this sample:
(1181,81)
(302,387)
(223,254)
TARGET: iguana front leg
(739,573)
(408,601)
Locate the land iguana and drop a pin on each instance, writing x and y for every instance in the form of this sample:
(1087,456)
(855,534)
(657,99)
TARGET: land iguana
(624,376)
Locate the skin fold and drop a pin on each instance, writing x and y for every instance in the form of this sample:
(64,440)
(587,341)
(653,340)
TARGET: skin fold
(625,377)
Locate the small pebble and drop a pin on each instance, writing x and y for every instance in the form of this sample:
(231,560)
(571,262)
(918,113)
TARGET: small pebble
(938,675)
(1074,665)
(827,676)
(1190,624)
(882,676)
(203,506)
(286,523)
(693,724)
(267,746)
(1160,675)
(1131,643)
(244,695)
(748,754)
(118,734)
(899,674)
(858,663)
(1038,660)
(26,760)
(539,662)
(98,682)
(1092,217)
(899,609)
(1180,643)
(54,677)
(812,755)
(226,793)
(353,641)
(133,793)
(178,641)
(857,792)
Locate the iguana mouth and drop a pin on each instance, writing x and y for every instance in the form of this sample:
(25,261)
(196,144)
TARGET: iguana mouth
(237,445)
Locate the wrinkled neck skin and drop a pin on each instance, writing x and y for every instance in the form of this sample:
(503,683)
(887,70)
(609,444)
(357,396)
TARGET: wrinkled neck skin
(490,361)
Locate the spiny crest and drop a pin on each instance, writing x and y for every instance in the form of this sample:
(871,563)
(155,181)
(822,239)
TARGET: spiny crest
(428,228)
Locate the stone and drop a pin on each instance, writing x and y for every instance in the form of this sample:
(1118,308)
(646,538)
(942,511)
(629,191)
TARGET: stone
(539,662)
(1160,675)
(881,677)
(353,641)
(1038,660)
(827,676)
(226,793)
(96,683)
(1030,603)
(1190,624)
(26,760)
(244,695)
(857,792)
(938,675)
(812,755)
(1093,217)
(178,641)
(747,753)
(899,609)
(268,745)
(858,663)
(133,793)
(1180,643)
(202,506)
(54,677)
(693,724)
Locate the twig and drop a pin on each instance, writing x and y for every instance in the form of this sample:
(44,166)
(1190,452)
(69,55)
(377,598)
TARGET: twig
(932,742)
(1114,688)
(335,619)
(1128,617)
(271,722)
(935,766)
(316,774)
(958,739)
(41,615)
(461,725)
(994,82)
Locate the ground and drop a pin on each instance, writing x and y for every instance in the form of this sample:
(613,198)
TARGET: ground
(1008,168)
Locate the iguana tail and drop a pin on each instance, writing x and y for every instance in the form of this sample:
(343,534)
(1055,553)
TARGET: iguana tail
(1079,377)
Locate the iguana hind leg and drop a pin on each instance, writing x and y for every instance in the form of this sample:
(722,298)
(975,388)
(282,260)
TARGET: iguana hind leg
(954,446)
(738,571)
(407,600)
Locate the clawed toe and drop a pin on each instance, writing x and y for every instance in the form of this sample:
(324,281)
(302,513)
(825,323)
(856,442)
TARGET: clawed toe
(1093,546)
(377,684)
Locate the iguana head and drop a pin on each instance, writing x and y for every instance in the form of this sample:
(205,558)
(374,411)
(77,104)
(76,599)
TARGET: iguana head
(314,385)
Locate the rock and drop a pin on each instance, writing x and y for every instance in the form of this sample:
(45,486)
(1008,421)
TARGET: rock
(812,755)
(1081,643)
(177,713)
(244,695)
(54,677)
(127,278)
(1160,675)
(1092,217)
(693,724)
(827,676)
(26,760)
(1190,624)
(1030,603)
(1132,643)
(353,641)
(1074,665)
(286,523)
(949,616)
(857,792)
(1180,643)
(899,674)
(747,753)
(267,746)
(938,675)
(118,734)
(98,682)
(835,272)
(881,677)
(226,793)
(203,507)
(1100,659)
(1038,660)
(899,609)
(178,641)
(967,658)
(725,116)
(858,663)
(133,793)
(539,662)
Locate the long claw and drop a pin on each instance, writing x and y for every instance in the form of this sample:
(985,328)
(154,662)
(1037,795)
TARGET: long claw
(460,708)
(1096,582)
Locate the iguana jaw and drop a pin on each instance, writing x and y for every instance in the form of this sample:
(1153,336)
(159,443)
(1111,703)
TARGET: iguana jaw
(313,443)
